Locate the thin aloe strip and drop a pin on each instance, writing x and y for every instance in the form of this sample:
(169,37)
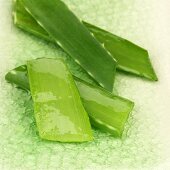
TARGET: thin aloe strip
(130,57)
(106,111)
(59,112)
(71,35)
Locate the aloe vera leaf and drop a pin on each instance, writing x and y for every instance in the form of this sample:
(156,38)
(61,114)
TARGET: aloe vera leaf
(19,77)
(106,111)
(59,112)
(25,21)
(70,34)
(130,57)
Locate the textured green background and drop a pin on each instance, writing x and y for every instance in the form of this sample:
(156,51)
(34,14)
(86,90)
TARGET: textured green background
(145,139)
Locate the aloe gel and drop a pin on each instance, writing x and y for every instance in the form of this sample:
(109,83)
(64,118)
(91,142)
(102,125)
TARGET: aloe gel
(59,112)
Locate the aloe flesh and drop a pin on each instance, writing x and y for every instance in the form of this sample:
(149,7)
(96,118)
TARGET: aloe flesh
(70,34)
(59,112)
(106,111)
(130,57)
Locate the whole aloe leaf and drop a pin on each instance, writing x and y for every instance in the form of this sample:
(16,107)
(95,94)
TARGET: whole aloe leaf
(70,34)
(130,57)
(106,111)
(59,113)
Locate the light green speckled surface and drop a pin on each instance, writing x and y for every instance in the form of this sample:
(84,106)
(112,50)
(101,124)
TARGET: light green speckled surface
(145,143)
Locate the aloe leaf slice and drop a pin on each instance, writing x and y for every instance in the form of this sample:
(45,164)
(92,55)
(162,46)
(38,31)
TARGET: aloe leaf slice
(25,21)
(71,35)
(59,112)
(107,112)
(130,57)
(19,77)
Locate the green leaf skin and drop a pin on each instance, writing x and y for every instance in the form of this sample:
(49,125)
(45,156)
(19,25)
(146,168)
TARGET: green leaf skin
(71,35)
(59,112)
(19,77)
(106,111)
(25,21)
(130,57)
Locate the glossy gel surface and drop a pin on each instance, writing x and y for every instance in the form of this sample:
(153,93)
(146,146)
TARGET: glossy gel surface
(59,113)
(107,112)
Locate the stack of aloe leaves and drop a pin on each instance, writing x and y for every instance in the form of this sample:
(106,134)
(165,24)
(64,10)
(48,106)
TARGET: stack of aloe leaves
(66,106)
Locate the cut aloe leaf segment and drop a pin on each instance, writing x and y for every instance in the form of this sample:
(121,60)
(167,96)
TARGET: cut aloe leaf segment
(107,112)
(76,40)
(59,112)
(130,57)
